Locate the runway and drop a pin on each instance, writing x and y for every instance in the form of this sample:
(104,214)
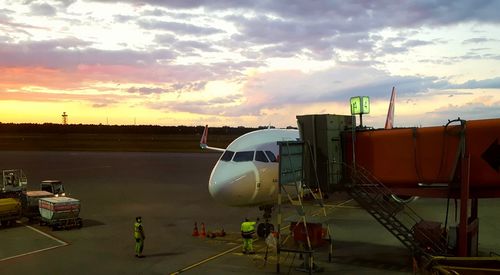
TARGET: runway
(169,190)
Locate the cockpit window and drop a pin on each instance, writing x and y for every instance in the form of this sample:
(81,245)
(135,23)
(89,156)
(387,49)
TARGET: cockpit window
(243,156)
(227,156)
(260,156)
(271,156)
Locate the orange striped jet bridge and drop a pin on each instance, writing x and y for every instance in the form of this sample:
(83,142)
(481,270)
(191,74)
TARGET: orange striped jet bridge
(426,161)
(460,160)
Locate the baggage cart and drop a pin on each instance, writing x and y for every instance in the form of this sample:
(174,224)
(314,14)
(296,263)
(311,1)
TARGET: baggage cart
(30,203)
(60,212)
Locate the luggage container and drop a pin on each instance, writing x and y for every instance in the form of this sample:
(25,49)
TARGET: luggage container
(30,203)
(60,212)
(10,211)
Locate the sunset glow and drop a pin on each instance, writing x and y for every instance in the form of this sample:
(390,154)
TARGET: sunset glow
(247,63)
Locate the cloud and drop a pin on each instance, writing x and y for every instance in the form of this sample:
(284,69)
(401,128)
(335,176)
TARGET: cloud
(267,91)
(176,27)
(42,9)
(179,46)
(469,111)
(99,102)
(8,21)
(71,52)
(478,40)
(493,83)
(225,106)
(184,47)
(190,86)
(370,14)
(146,90)
(124,18)
(335,84)
(176,87)
(101,99)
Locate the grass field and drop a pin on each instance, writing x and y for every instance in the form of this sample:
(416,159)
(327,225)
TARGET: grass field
(109,142)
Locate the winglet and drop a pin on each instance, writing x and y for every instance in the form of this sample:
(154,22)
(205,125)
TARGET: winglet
(390,113)
(203,141)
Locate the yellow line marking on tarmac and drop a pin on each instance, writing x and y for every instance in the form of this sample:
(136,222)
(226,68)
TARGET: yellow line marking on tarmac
(61,244)
(206,260)
(239,246)
(340,204)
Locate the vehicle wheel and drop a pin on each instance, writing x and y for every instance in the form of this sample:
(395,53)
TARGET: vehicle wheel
(264,229)
(403,199)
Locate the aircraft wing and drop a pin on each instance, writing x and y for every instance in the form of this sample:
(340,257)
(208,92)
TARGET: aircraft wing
(203,142)
(390,113)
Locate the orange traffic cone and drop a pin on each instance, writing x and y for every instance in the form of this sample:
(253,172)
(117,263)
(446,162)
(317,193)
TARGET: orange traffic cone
(203,233)
(195,230)
(415,266)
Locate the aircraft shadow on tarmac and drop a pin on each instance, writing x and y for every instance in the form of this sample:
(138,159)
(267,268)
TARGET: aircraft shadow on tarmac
(372,255)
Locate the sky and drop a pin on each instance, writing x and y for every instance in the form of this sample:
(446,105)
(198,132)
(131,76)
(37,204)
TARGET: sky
(247,63)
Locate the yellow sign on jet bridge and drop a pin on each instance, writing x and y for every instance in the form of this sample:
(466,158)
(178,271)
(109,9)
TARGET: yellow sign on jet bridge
(360,105)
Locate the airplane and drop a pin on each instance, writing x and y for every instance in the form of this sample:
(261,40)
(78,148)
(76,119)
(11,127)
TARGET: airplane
(389,123)
(246,174)
(390,113)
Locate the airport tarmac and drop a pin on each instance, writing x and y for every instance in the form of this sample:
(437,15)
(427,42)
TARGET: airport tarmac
(169,190)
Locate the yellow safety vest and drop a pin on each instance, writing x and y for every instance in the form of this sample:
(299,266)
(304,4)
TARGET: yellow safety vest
(248,227)
(138,231)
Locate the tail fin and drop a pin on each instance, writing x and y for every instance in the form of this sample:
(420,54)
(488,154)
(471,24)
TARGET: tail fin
(390,113)
(203,141)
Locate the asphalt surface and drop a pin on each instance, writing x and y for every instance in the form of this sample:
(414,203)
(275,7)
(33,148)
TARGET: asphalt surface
(169,190)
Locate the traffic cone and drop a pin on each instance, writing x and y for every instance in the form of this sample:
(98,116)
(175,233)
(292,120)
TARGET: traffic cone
(195,230)
(203,233)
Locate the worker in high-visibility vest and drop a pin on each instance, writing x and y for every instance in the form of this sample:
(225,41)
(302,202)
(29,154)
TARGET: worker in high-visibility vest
(247,231)
(139,237)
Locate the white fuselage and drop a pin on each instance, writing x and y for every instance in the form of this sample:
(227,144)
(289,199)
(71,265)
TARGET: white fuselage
(247,172)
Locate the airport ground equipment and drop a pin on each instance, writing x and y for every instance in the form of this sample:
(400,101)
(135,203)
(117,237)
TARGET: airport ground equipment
(399,219)
(60,212)
(304,228)
(322,135)
(30,203)
(460,160)
(55,187)
(13,183)
(13,180)
(10,211)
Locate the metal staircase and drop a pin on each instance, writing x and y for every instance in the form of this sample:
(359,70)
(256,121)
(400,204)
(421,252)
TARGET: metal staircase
(399,219)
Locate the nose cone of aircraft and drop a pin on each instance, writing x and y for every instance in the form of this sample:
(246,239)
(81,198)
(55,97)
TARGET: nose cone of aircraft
(233,184)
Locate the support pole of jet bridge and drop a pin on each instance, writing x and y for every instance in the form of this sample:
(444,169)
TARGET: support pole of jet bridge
(464,207)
